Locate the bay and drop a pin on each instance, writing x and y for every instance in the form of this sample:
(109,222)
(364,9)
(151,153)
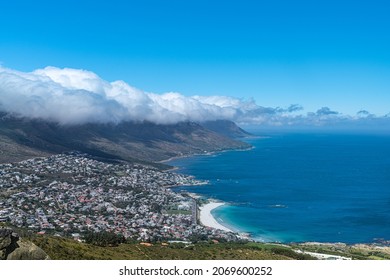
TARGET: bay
(299,187)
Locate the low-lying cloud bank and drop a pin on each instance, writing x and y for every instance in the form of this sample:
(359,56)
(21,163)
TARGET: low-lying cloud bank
(72,96)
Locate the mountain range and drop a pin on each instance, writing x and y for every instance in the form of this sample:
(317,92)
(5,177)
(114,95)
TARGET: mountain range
(22,138)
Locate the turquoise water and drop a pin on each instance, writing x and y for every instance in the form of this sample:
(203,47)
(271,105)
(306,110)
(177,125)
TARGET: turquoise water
(301,187)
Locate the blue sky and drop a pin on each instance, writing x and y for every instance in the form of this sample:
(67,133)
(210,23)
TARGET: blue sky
(317,54)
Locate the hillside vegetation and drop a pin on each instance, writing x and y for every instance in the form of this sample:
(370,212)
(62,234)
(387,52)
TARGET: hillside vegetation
(67,249)
(59,248)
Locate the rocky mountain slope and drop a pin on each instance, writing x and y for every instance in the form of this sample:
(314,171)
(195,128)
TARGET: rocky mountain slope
(226,128)
(24,138)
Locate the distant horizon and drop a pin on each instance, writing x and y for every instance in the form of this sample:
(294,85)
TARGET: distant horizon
(341,130)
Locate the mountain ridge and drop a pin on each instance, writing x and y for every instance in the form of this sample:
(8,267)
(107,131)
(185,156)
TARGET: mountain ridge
(22,138)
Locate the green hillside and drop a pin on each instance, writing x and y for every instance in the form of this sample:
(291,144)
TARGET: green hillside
(67,249)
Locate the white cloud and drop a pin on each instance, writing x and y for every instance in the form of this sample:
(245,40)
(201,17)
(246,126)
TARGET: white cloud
(72,96)
(38,96)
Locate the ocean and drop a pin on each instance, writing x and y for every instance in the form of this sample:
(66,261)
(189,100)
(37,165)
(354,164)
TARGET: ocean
(299,187)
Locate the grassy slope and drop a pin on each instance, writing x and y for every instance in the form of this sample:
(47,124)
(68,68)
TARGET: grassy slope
(64,249)
(68,249)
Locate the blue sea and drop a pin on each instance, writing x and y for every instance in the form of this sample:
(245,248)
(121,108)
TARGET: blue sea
(298,187)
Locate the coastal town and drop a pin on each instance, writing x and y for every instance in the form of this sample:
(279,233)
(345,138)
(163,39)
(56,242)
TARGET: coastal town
(72,194)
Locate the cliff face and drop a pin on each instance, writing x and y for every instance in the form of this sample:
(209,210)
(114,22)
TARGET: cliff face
(13,248)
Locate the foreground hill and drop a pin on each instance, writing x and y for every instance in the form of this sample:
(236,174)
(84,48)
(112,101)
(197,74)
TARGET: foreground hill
(66,249)
(32,246)
(24,138)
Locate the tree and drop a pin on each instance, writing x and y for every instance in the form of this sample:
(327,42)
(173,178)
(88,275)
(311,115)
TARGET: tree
(104,238)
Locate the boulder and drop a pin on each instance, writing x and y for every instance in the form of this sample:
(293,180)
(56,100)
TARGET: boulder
(13,248)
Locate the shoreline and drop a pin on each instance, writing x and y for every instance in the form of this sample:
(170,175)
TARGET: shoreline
(205,216)
(207,219)
(207,153)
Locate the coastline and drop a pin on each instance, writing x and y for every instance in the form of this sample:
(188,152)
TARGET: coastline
(207,153)
(205,216)
(207,219)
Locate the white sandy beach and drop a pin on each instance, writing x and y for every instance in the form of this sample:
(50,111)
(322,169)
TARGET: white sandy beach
(207,219)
